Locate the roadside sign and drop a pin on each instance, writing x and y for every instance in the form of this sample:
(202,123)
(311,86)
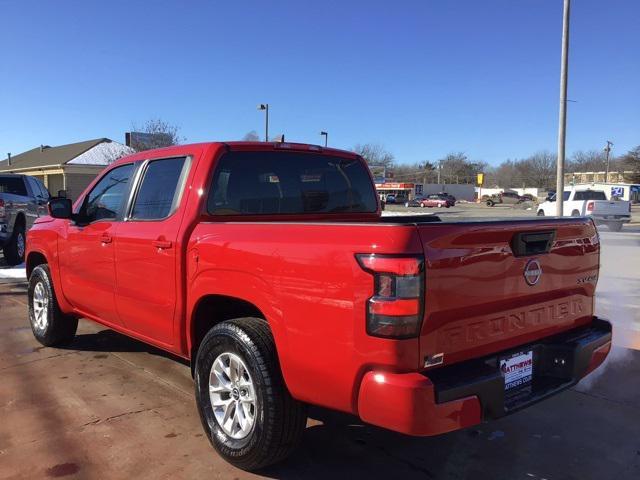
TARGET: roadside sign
(617,192)
(418,189)
(480,178)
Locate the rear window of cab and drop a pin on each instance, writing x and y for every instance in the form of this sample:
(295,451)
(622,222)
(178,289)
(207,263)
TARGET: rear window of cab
(263,183)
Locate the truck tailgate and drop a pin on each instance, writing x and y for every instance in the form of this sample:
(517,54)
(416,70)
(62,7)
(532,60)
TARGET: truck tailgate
(487,291)
(606,207)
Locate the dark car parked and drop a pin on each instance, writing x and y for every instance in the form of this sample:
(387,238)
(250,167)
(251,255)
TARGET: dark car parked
(450,198)
(22,200)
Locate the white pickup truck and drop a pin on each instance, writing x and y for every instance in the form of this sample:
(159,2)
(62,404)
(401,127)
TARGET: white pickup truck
(593,203)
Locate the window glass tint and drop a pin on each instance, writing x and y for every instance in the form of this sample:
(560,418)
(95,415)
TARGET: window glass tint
(106,199)
(13,185)
(253,183)
(158,190)
(590,195)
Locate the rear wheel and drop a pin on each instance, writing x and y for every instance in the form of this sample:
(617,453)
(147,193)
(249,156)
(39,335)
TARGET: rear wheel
(49,325)
(575,213)
(614,226)
(244,405)
(490,203)
(14,250)
(541,213)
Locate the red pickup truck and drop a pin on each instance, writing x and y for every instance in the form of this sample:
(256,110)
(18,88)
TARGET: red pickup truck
(269,267)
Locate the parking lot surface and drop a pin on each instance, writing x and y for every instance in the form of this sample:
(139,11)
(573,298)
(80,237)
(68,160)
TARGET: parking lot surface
(111,407)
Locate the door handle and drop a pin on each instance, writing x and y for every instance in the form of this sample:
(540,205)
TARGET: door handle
(162,244)
(106,238)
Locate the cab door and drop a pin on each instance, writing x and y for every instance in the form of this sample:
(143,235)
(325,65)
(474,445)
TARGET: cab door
(146,254)
(87,268)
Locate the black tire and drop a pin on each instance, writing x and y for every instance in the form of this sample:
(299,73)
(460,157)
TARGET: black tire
(490,203)
(540,213)
(51,327)
(614,226)
(14,250)
(280,420)
(575,213)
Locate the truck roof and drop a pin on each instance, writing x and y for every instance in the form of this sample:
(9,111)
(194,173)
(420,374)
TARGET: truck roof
(235,146)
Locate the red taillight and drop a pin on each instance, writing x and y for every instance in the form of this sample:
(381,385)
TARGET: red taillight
(590,206)
(2,211)
(395,309)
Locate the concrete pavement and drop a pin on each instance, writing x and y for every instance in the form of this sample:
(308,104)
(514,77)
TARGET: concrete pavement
(111,407)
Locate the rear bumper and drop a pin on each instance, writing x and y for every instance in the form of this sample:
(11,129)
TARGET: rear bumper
(462,395)
(612,218)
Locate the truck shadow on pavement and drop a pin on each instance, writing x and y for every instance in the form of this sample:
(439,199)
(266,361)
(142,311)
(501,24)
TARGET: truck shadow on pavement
(109,341)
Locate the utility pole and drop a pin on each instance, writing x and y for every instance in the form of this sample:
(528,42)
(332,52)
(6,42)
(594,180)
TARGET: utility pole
(562,127)
(607,149)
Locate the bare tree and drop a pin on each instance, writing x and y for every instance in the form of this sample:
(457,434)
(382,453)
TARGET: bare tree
(457,168)
(156,134)
(505,175)
(587,161)
(374,154)
(631,160)
(539,170)
(252,136)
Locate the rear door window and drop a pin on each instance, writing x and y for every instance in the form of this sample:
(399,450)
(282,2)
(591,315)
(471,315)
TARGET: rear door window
(13,185)
(160,190)
(260,183)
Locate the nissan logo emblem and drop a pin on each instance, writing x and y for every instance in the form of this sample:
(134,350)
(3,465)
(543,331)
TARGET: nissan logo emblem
(532,272)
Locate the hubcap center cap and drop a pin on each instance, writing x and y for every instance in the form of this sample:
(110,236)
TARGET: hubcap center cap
(235,393)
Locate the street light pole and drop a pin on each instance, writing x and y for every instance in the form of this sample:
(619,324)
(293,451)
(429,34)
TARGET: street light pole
(607,149)
(562,127)
(326,137)
(265,107)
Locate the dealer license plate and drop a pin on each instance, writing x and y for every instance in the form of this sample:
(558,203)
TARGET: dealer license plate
(517,369)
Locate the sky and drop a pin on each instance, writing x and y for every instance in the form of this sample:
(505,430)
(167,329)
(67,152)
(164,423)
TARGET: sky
(423,78)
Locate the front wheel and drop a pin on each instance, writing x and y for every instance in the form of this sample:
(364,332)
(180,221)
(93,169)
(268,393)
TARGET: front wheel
(49,324)
(245,408)
(614,226)
(490,203)
(541,213)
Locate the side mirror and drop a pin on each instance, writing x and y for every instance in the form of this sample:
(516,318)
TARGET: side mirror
(60,207)
(62,193)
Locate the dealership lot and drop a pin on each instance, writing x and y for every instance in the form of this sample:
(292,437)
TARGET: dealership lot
(112,407)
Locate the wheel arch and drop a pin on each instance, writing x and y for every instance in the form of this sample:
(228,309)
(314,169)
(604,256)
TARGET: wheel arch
(213,309)
(34,259)
(20,220)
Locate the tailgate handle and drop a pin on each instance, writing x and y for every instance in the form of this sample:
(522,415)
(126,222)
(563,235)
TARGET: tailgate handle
(532,243)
